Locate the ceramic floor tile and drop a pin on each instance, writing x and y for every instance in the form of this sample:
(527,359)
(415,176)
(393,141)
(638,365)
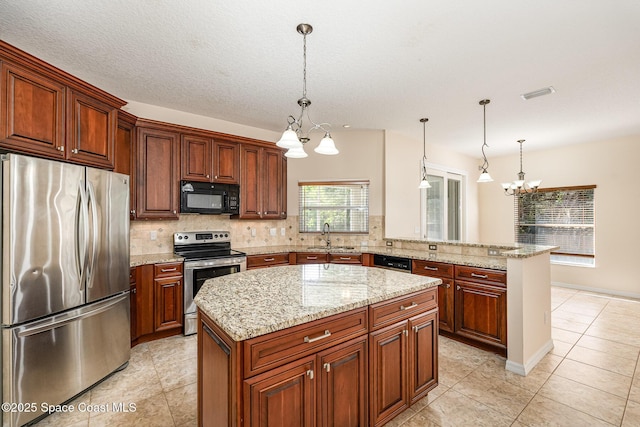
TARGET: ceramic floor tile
(531,382)
(183,404)
(592,376)
(429,398)
(634,393)
(76,418)
(450,371)
(581,308)
(561,348)
(613,332)
(173,348)
(569,325)
(545,412)
(453,409)
(598,404)
(571,316)
(177,373)
(564,336)
(153,412)
(607,346)
(402,418)
(631,415)
(603,360)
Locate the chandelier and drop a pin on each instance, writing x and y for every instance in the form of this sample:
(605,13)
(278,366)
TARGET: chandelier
(424,183)
(519,186)
(484,176)
(294,138)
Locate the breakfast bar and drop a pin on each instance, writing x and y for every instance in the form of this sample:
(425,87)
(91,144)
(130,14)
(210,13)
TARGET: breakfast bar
(328,343)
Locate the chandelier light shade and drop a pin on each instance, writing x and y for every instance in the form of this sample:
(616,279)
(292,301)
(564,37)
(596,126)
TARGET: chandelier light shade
(520,186)
(423,182)
(484,176)
(294,137)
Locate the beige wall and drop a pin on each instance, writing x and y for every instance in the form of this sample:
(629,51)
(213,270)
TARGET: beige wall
(611,165)
(402,163)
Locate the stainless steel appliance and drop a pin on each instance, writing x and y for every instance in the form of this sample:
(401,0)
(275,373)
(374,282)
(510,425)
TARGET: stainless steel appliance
(65,281)
(208,198)
(207,254)
(393,262)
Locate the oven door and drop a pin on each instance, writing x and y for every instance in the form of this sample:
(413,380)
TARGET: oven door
(196,273)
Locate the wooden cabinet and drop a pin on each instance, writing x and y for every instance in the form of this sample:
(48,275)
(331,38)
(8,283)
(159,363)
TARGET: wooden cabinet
(271,260)
(312,257)
(49,113)
(342,258)
(446,292)
(402,355)
(133,306)
(125,159)
(209,160)
(156,310)
(262,190)
(157,173)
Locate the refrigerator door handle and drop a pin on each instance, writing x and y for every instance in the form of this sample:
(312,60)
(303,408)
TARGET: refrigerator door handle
(70,317)
(94,240)
(82,233)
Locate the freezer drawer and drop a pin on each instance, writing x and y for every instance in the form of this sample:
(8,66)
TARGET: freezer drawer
(54,359)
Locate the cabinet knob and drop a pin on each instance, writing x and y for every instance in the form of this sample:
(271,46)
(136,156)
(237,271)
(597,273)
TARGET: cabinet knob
(133,211)
(215,177)
(259,213)
(448,285)
(134,291)
(457,287)
(405,332)
(327,367)
(310,374)
(61,148)
(208,176)
(174,212)
(74,151)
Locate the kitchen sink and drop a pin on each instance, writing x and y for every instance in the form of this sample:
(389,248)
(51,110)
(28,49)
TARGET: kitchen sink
(331,247)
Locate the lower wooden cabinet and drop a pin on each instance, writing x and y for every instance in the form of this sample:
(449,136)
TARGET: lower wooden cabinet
(446,297)
(168,303)
(481,314)
(270,260)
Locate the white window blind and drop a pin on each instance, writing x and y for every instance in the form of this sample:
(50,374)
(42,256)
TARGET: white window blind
(342,204)
(563,217)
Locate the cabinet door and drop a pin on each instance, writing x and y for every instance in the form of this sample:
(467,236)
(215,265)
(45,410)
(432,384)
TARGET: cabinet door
(388,372)
(272,188)
(144,300)
(92,131)
(283,187)
(423,354)
(343,385)
(445,305)
(480,312)
(196,158)
(124,160)
(250,182)
(168,303)
(157,174)
(226,162)
(33,109)
(215,388)
(284,396)
(133,295)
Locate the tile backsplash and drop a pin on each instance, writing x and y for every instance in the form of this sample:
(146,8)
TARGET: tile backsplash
(244,233)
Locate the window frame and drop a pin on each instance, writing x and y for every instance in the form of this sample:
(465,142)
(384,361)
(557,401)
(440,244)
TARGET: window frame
(347,209)
(445,172)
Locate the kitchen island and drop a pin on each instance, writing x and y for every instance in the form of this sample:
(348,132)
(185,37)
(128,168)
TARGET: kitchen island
(324,343)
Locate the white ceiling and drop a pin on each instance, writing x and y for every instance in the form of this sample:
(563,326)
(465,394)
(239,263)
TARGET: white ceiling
(382,66)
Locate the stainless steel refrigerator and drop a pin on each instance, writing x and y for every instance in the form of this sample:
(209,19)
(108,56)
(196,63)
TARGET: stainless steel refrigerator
(65,281)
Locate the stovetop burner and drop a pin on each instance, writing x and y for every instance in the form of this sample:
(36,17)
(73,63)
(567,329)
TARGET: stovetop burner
(198,245)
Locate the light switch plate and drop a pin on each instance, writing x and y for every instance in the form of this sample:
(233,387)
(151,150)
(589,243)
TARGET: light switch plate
(253,232)
(282,231)
(153,235)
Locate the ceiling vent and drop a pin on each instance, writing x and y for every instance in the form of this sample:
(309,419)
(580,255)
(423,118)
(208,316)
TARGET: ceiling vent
(540,92)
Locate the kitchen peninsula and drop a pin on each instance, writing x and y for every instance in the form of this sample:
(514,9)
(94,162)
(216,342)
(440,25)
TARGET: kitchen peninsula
(342,344)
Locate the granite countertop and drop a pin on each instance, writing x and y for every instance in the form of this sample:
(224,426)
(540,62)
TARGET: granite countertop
(257,302)
(136,260)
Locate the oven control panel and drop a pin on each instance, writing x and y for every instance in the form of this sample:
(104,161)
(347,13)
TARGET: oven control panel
(199,237)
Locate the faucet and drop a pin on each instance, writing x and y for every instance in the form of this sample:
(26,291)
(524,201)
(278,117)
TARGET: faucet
(326,229)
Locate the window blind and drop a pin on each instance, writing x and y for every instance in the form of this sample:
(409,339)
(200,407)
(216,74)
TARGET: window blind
(342,204)
(563,217)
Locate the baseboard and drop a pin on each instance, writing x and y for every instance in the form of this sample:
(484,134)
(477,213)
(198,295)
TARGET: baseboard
(597,290)
(520,369)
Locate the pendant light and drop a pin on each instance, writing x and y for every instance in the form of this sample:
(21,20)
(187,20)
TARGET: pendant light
(484,176)
(519,186)
(424,183)
(294,137)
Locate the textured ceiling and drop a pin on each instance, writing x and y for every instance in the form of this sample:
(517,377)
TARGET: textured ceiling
(382,66)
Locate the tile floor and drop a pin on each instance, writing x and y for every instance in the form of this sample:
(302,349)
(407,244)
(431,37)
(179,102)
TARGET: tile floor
(591,378)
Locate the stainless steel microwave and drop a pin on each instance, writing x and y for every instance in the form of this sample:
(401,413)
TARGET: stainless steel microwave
(209,198)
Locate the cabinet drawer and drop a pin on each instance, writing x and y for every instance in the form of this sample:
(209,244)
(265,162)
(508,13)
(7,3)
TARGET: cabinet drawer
(311,257)
(269,351)
(474,274)
(345,258)
(169,269)
(255,261)
(388,312)
(432,268)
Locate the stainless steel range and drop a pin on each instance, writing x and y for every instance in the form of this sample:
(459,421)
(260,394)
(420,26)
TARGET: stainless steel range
(207,254)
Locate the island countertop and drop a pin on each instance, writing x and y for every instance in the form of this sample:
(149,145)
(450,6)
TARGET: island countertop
(256,302)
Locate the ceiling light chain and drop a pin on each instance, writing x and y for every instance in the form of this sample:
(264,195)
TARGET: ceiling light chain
(520,187)
(424,183)
(293,137)
(484,176)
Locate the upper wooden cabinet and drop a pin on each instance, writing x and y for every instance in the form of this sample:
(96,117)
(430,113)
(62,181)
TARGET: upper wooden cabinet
(125,158)
(157,173)
(209,160)
(49,113)
(262,189)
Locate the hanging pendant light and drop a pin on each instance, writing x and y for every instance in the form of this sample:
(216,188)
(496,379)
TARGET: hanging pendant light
(294,138)
(519,186)
(484,176)
(424,183)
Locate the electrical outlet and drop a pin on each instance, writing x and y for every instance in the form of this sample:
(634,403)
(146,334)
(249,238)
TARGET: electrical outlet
(433,247)
(153,235)
(253,232)
(493,252)
(282,231)
(272,231)
(389,243)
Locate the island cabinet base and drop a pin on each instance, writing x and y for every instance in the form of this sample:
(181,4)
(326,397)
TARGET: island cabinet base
(358,368)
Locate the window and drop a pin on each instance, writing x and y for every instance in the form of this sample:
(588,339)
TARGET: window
(342,204)
(443,214)
(561,217)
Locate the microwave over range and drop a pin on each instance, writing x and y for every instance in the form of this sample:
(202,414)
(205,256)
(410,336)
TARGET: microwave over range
(209,198)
